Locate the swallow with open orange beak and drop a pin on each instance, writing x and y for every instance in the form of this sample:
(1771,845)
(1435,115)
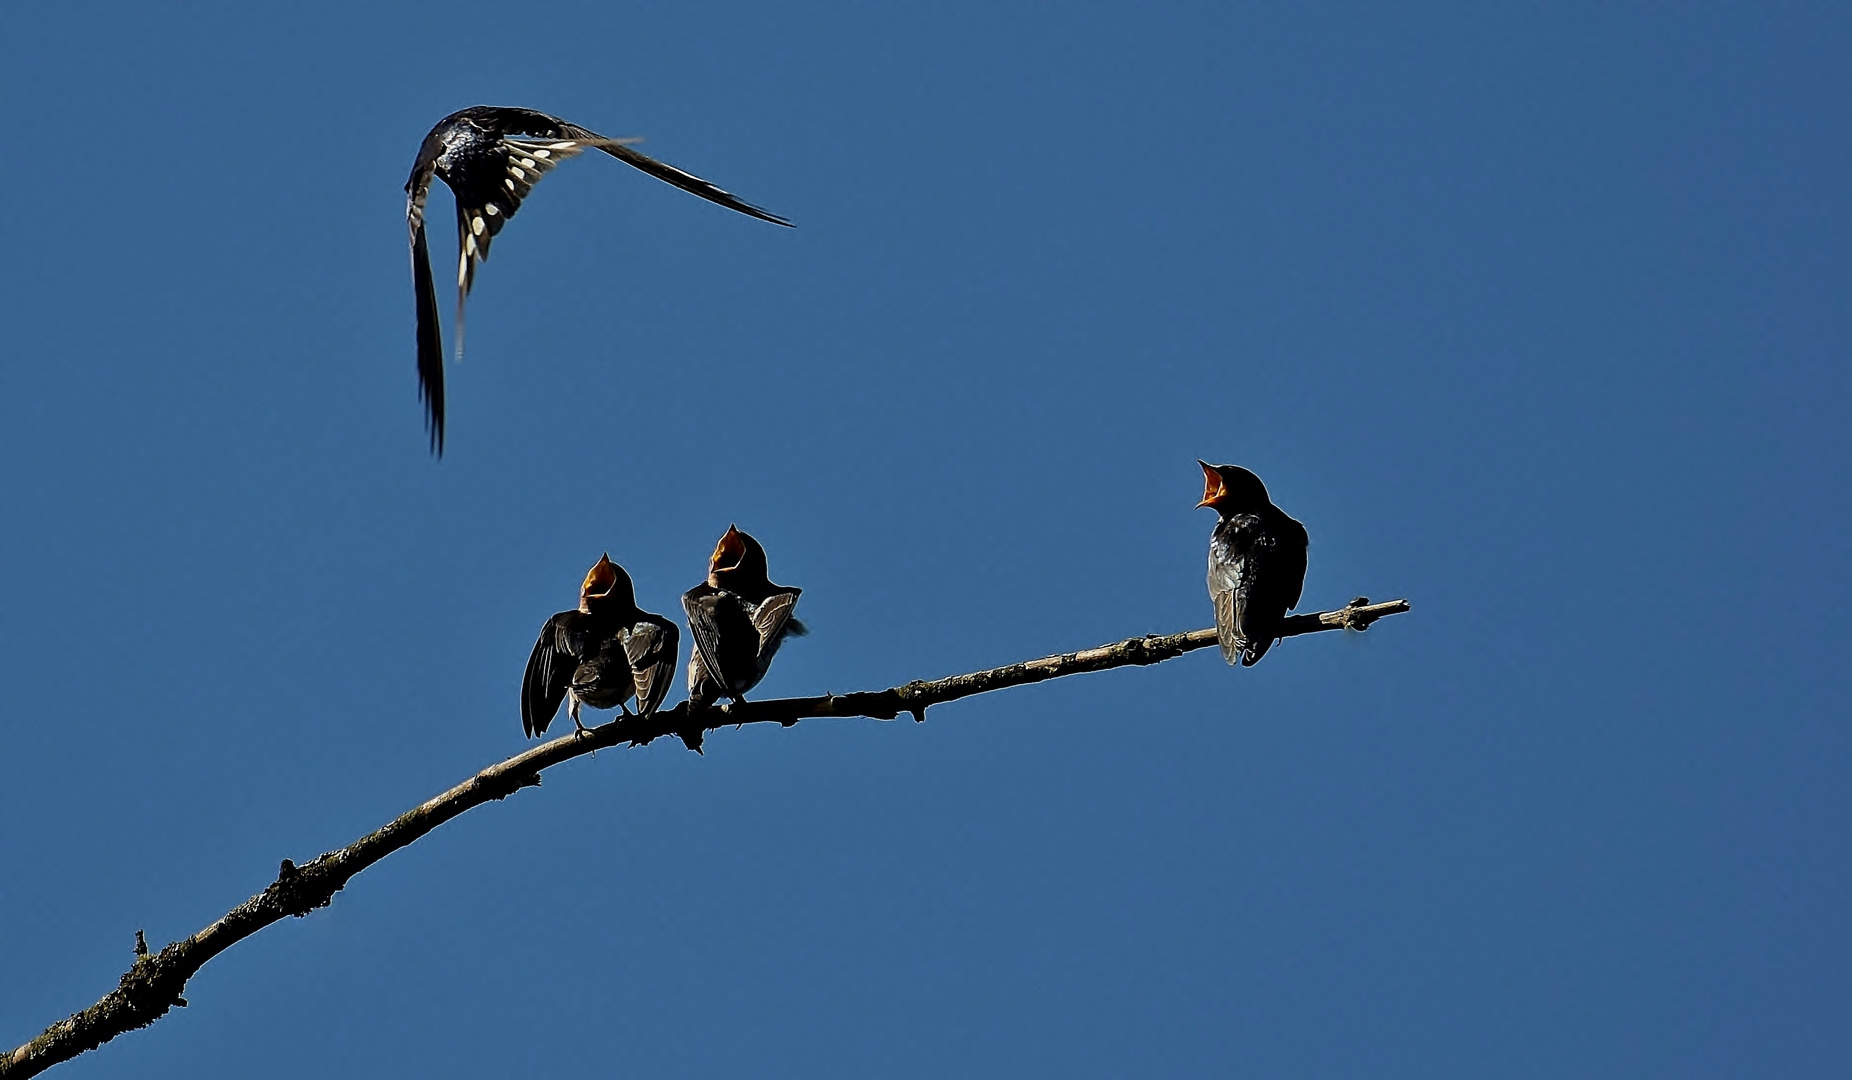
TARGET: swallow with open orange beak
(738,618)
(1256,562)
(603,654)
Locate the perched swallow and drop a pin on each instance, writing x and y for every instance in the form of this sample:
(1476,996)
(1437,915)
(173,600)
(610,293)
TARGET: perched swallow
(491,157)
(603,654)
(1256,562)
(738,619)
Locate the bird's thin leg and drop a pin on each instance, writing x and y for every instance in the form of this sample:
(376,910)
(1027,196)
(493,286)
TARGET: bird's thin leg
(573,711)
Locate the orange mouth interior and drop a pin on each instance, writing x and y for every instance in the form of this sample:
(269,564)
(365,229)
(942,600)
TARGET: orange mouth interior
(729,552)
(601,580)
(1213,487)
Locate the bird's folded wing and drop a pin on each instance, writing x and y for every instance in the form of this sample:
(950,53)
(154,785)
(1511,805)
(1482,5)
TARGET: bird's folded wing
(651,647)
(1228,581)
(1226,634)
(772,619)
(703,687)
(702,605)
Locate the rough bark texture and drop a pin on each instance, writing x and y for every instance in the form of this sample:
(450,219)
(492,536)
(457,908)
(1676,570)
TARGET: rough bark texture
(154,983)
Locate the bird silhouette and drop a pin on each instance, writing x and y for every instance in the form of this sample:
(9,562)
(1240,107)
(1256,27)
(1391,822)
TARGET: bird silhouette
(1256,562)
(603,654)
(490,157)
(738,619)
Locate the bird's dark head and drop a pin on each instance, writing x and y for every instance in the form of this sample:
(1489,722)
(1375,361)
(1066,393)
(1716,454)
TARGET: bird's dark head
(1231,489)
(738,558)
(607,588)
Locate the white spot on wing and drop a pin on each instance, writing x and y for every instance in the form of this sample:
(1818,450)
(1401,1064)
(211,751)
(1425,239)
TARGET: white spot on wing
(509,182)
(491,209)
(543,153)
(527,162)
(477,225)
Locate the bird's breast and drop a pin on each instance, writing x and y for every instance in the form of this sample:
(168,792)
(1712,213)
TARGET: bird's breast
(603,682)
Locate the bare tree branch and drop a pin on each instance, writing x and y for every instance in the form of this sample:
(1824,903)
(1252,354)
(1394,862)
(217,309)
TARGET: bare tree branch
(154,983)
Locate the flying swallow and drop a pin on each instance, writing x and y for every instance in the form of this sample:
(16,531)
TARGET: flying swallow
(738,619)
(603,654)
(1256,562)
(491,157)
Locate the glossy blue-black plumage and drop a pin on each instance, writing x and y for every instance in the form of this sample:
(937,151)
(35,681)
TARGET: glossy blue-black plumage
(490,157)
(1257,562)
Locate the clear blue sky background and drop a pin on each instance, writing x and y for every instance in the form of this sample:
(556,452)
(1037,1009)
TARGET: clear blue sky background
(1538,318)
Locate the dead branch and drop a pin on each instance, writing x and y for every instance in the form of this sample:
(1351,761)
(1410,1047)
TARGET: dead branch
(154,983)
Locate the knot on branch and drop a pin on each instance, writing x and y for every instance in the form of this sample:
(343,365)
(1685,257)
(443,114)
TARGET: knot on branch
(299,890)
(150,987)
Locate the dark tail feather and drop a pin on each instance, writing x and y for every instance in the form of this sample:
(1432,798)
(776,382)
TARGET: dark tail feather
(1252,651)
(688,182)
(430,343)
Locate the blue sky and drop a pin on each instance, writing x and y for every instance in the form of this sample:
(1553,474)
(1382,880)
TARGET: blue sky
(1534,316)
